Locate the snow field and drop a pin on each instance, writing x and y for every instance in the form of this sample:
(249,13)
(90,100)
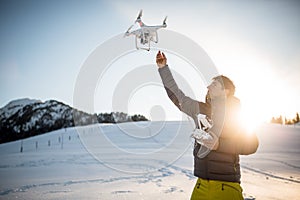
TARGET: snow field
(144,160)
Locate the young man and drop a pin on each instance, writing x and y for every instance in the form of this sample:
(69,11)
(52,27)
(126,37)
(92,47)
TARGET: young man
(218,169)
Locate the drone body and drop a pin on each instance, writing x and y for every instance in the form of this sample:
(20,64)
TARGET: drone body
(145,34)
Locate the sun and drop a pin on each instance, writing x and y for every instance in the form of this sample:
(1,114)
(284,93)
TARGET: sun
(262,94)
(251,120)
(263,99)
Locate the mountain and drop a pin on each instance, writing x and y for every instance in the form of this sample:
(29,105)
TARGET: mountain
(23,118)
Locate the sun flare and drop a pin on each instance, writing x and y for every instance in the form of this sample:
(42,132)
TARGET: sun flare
(262,93)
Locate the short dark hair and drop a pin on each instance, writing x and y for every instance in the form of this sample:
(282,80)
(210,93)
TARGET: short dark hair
(226,83)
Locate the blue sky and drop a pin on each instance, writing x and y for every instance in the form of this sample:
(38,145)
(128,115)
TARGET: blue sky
(45,43)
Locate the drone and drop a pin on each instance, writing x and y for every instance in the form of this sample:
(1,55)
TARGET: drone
(145,34)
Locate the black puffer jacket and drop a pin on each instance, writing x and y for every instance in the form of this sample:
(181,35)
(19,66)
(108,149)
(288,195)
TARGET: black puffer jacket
(217,166)
(223,163)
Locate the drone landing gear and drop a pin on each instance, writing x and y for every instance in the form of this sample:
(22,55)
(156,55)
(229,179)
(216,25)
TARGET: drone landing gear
(156,38)
(145,47)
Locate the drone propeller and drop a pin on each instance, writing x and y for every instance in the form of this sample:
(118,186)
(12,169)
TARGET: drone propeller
(126,33)
(164,22)
(139,19)
(139,16)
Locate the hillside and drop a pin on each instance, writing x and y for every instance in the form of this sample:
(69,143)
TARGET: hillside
(23,118)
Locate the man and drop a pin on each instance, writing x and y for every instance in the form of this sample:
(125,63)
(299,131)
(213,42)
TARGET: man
(218,169)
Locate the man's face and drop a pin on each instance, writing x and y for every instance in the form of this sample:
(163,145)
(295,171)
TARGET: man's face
(216,89)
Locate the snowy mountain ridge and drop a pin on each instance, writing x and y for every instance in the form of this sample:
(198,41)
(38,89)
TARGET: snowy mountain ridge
(23,118)
(15,105)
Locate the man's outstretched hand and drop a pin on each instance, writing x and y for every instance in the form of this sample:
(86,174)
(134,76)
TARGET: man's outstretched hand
(161,59)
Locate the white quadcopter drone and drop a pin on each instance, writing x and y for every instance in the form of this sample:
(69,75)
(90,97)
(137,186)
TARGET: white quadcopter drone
(145,33)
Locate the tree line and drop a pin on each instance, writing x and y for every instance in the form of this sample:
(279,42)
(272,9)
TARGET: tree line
(285,120)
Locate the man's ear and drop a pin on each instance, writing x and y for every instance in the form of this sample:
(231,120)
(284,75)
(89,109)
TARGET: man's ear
(227,92)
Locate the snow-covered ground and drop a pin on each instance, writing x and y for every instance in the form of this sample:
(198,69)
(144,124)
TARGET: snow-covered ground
(144,160)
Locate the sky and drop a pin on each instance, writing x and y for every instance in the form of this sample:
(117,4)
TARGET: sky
(44,45)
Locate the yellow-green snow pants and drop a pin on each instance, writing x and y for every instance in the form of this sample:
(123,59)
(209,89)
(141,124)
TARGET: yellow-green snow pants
(216,190)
